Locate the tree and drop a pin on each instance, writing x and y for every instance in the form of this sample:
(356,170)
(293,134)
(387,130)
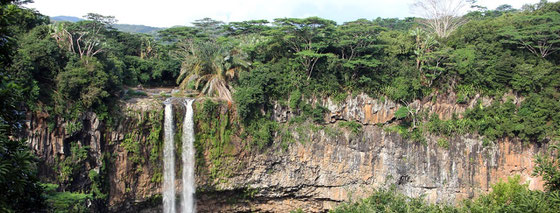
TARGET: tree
(176,34)
(81,86)
(548,166)
(357,43)
(209,27)
(429,58)
(246,27)
(19,184)
(307,38)
(15,21)
(354,38)
(505,8)
(538,33)
(407,111)
(84,38)
(442,17)
(37,63)
(211,64)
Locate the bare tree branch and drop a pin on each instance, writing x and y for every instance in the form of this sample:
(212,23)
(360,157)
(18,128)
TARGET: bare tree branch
(442,17)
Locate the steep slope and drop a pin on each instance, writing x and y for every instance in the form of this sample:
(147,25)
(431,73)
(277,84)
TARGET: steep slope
(323,165)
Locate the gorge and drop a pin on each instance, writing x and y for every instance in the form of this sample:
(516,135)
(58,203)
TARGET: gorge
(320,169)
(452,113)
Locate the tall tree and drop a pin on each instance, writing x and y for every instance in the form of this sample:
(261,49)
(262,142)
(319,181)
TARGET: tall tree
(209,27)
(246,27)
(357,44)
(307,38)
(538,33)
(85,38)
(19,185)
(208,65)
(429,57)
(442,17)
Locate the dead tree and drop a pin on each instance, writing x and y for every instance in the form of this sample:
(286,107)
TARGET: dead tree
(441,17)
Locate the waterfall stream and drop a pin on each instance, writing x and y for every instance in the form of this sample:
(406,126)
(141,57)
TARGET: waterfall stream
(168,161)
(187,199)
(187,156)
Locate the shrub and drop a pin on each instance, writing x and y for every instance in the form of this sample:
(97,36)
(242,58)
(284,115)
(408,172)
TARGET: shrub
(354,126)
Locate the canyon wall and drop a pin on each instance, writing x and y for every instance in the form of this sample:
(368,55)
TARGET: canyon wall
(323,166)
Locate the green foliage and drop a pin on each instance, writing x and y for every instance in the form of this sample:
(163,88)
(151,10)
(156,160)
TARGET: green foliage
(443,143)
(246,27)
(15,21)
(18,175)
(464,93)
(213,134)
(389,200)
(402,64)
(65,70)
(534,120)
(37,63)
(144,144)
(65,201)
(539,33)
(548,166)
(401,113)
(261,132)
(297,211)
(354,126)
(415,135)
(317,113)
(83,82)
(155,119)
(68,166)
(96,185)
(512,196)
(295,100)
(253,93)
(449,127)
(307,38)
(131,144)
(210,64)
(135,93)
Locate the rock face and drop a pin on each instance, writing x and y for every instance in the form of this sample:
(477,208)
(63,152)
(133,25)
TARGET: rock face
(330,169)
(321,169)
(367,110)
(129,181)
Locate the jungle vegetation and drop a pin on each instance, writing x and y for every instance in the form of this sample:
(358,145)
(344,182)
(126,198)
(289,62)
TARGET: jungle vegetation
(65,69)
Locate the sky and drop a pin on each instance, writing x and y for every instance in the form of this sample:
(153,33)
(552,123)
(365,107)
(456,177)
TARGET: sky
(168,13)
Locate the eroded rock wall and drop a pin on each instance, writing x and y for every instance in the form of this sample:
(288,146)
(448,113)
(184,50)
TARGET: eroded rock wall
(319,170)
(128,182)
(330,169)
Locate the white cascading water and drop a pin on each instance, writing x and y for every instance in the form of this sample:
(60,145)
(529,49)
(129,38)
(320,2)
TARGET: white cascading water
(168,161)
(187,204)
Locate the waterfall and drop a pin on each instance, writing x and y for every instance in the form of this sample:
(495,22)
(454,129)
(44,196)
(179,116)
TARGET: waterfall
(187,204)
(168,161)
(187,194)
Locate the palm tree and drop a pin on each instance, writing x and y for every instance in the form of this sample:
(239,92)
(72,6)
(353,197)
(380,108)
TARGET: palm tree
(208,66)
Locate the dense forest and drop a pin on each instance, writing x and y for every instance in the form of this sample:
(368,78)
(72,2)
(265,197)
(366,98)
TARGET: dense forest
(65,69)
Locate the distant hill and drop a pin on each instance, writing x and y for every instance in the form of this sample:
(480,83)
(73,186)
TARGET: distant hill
(130,28)
(66,18)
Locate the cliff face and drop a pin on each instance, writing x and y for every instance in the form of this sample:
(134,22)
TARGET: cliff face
(324,166)
(331,165)
(334,168)
(120,153)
